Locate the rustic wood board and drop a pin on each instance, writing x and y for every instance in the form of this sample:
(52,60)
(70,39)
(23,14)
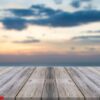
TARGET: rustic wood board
(94,77)
(50,90)
(16,81)
(50,83)
(89,89)
(5,70)
(34,86)
(66,87)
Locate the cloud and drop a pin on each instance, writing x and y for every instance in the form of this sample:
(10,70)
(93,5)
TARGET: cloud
(86,39)
(34,10)
(58,1)
(42,10)
(27,41)
(75,3)
(78,3)
(66,19)
(91,31)
(22,12)
(92,49)
(56,18)
(14,23)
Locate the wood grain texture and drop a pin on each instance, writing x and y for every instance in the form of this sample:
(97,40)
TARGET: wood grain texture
(50,87)
(94,77)
(34,86)
(50,83)
(94,70)
(89,89)
(66,87)
(17,78)
(5,70)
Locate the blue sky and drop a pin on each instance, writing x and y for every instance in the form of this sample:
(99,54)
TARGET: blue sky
(49,29)
(60,4)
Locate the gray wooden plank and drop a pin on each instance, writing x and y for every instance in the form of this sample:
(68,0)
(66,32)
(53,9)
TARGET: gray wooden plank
(97,68)
(87,87)
(34,86)
(50,91)
(94,77)
(5,77)
(94,70)
(11,88)
(2,68)
(66,87)
(5,70)
(50,83)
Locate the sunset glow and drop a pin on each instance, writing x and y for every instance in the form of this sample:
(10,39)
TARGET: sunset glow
(46,27)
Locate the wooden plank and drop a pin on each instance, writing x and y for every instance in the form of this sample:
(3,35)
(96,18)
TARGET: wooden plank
(87,87)
(5,70)
(2,68)
(25,83)
(98,68)
(11,88)
(34,86)
(5,77)
(94,77)
(50,91)
(66,87)
(94,70)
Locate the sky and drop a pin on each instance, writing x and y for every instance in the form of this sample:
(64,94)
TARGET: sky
(50,32)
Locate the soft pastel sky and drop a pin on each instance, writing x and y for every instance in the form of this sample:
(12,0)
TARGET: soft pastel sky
(50,31)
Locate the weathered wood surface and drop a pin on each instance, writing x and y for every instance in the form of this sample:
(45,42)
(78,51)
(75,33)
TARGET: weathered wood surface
(55,83)
(50,90)
(34,86)
(66,87)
